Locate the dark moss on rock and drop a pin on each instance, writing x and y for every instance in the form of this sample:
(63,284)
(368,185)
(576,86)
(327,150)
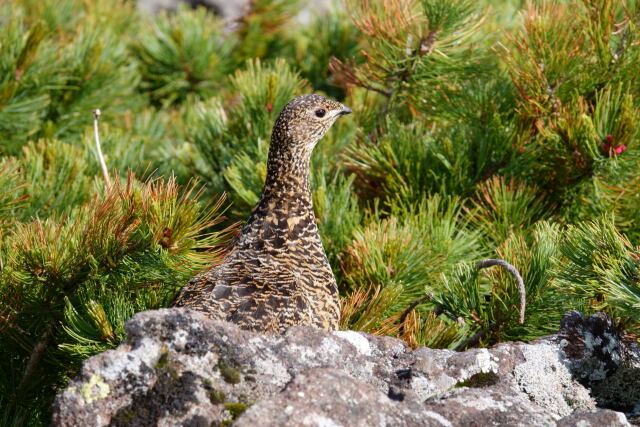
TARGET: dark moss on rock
(216,397)
(236,408)
(229,374)
(180,368)
(479,380)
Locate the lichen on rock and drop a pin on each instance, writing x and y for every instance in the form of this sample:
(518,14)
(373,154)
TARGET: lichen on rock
(94,389)
(177,367)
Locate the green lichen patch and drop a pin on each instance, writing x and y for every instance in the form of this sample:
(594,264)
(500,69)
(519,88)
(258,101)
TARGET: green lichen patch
(95,389)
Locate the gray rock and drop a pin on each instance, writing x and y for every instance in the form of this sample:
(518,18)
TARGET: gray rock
(226,9)
(329,397)
(597,418)
(230,10)
(602,359)
(178,367)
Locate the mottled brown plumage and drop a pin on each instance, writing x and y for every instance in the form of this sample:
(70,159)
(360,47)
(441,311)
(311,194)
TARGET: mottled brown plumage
(276,274)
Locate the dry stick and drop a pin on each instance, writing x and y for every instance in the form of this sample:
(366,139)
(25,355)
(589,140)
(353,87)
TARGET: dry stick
(479,265)
(409,309)
(512,270)
(475,338)
(36,355)
(103,164)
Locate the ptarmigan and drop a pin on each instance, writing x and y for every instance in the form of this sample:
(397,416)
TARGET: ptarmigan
(277,274)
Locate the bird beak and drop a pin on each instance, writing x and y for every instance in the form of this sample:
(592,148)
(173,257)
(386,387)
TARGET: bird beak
(345,110)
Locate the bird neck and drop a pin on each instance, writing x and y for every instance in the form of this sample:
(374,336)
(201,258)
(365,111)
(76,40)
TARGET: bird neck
(288,173)
(285,210)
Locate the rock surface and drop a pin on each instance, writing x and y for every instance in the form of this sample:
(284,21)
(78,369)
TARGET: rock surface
(230,10)
(226,9)
(602,359)
(179,368)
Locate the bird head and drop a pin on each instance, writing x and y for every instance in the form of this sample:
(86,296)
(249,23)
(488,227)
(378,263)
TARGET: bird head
(305,119)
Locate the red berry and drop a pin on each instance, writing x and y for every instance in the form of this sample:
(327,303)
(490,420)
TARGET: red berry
(621,149)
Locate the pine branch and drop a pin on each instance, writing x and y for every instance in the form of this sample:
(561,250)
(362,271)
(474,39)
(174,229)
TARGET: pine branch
(347,76)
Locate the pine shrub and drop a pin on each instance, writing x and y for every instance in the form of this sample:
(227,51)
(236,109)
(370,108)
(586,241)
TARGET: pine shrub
(506,132)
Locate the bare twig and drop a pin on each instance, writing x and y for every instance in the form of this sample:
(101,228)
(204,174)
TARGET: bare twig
(514,272)
(414,305)
(473,340)
(411,307)
(36,355)
(346,75)
(103,164)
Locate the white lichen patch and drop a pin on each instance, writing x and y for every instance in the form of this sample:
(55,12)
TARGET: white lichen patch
(180,339)
(304,355)
(264,341)
(610,349)
(431,361)
(485,362)
(357,340)
(201,364)
(147,353)
(318,420)
(94,389)
(269,365)
(438,418)
(424,388)
(484,403)
(328,349)
(548,382)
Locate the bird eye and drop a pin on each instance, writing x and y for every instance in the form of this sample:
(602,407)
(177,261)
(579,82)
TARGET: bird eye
(320,113)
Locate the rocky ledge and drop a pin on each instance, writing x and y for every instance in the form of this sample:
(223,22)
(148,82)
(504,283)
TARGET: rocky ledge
(178,368)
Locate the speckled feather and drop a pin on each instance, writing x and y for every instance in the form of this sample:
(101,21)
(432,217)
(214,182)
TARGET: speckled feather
(276,274)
